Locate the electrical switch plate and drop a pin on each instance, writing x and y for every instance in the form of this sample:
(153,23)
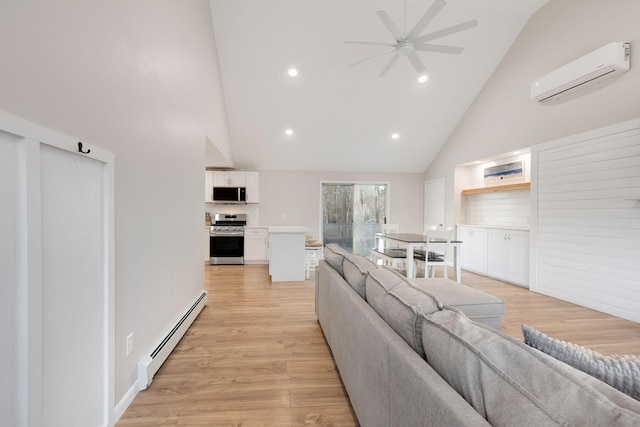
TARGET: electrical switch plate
(129,344)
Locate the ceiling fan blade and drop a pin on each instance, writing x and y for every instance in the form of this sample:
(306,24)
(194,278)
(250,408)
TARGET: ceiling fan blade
(446,31)
(370,43)
(389,65)
(438,48)
(426,19)
(386,20)
(417,63)
(372,56)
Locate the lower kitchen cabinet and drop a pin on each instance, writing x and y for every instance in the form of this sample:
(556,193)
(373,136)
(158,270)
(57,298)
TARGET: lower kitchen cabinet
(256,240)
(501,253)
(474,250)
(508,255)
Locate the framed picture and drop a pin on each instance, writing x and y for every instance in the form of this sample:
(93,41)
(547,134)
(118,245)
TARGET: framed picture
(504,172)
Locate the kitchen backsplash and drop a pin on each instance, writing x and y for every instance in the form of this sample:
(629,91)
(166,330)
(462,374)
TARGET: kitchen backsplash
(251,210)
(499,208)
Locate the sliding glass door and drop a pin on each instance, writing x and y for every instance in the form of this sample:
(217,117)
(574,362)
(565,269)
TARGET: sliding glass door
(351,213)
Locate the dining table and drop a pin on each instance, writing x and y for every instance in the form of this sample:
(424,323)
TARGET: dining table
(411,241)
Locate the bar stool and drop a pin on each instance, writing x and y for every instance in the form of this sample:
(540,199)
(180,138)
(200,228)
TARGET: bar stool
(313,255)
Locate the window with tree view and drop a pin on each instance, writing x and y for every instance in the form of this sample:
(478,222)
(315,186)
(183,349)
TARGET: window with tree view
(352,213)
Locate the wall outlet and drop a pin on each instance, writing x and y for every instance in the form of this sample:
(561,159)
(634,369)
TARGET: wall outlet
(284,216)
(129,345)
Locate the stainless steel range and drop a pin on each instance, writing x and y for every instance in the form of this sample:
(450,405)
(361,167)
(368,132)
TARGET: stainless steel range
(226,238)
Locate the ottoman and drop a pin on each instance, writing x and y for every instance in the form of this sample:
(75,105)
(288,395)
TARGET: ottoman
(476,305)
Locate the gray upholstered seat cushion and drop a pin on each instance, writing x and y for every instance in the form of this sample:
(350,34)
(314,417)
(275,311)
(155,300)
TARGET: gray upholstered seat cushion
(399,304)
(334,255)
(355,268)
(512,384)
(620,371)
(477,305)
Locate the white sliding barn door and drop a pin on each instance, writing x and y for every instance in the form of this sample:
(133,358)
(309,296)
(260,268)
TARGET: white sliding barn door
(74,345)
(57,277)
(10,248)
(586,210)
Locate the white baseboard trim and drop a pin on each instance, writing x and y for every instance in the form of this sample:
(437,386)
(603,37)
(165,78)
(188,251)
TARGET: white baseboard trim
(126,400)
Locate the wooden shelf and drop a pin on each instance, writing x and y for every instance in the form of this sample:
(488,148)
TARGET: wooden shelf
(496,188)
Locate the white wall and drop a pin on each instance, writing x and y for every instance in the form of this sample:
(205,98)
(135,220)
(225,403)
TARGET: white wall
(139,79)
(297,194)
(504,118)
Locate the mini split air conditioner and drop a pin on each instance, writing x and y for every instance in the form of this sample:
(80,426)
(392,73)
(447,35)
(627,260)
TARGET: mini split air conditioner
(608,61)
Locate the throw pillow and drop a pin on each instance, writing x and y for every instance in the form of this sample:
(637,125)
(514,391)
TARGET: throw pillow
(620,372)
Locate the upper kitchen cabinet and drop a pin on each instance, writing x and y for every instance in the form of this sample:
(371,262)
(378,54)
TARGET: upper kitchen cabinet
(252,187)
(229,179)
(208,186)
(249,180)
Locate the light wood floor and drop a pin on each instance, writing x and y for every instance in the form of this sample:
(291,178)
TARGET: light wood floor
(257,357)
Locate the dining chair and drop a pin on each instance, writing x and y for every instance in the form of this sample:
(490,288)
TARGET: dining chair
(438,242)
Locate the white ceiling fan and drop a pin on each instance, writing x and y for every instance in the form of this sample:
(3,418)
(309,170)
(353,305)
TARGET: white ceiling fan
(408,43)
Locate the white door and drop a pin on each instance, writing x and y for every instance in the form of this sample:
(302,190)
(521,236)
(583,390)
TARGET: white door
(57,288)
(74,346)
(434,202)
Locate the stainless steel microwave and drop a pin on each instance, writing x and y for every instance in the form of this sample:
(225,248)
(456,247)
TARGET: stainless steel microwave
(230,195)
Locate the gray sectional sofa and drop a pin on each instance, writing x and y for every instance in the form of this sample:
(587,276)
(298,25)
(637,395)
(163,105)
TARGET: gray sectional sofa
(429,352)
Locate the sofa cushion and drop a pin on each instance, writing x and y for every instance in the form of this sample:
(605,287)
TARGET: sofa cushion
(620,371)
(510,383)
(477,305)
(399,304)
(355,269)
(334,255)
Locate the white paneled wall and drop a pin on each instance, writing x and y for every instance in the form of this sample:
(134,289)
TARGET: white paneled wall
(505,208)
(586,232)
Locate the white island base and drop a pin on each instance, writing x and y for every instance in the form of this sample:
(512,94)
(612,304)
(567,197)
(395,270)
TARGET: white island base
(287,253)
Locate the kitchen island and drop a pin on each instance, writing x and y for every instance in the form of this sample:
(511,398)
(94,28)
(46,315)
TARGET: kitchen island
(287,253)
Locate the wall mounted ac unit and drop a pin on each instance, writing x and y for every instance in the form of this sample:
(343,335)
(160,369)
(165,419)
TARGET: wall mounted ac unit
(608,61)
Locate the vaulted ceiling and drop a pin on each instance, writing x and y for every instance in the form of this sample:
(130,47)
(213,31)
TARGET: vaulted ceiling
(343,116)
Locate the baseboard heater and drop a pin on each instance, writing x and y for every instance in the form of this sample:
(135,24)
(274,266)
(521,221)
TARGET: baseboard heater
(150,363)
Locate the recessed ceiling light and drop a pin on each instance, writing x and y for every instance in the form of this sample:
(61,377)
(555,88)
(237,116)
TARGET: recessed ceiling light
(423,78)
(288,132)
(395,135)
(292,72)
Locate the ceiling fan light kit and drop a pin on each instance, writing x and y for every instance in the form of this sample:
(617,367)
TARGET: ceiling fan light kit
(406,44)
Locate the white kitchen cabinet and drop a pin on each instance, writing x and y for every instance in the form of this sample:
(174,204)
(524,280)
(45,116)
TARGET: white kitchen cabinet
(208,186)
(256,245)
(251,179)
(474,248)
(508,255)
(229,179)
